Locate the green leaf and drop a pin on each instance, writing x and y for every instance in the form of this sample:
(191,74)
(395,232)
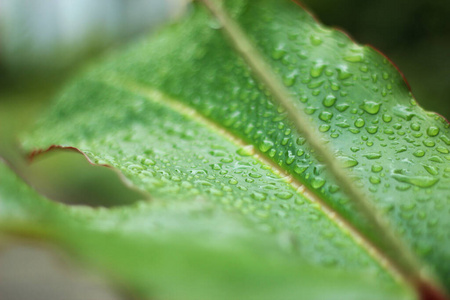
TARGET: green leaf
(183,118)
(180,250)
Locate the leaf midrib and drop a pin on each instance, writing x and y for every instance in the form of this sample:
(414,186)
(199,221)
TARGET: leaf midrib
(157,96)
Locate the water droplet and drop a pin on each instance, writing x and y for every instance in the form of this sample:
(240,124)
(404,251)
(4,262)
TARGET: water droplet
(342,107)
(343,73)
(387,118)
(284,195)
(347,161)
(372,155)
(300,141)
(310,110)
(419,153)
(325,116)
(259,196)
(436,159)
(255,175)
(317,182)
(265,146)
(232,181)
(315,40)
(290,79)
(290,157)
(374,179)
(371,107)
(354,58)
(246,150)
(442,150)
(429,143)
(403,112)
(359,123)
(401,149)
(329,100)
(278,53)
(316,71)
(372,129)
(430,169)
(299,169)
(433,131)
(415,126)
(226,160)
(324,128)
(445,139)
(148,162)
(420,181)
(376,168)
(364,68)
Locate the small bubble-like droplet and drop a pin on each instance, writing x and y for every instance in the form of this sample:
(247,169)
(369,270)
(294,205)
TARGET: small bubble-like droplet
(430,169)
(259,196)
(419,181)
(371,107)
(278,53)
(329,100)
(315,40)
(284,195)
(265,146)
(325,116)
(246,150)
(324,128)
(429,143)
(442,150)
(374,179)
(299,169)
(387,118)
(316,71)
(317,182)
(376,168)
(347,161)
(433,131)
(372,155)
(415,126)
(359,123)
(419,153)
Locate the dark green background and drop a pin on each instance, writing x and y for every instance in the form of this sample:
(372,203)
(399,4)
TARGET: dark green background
(414,34)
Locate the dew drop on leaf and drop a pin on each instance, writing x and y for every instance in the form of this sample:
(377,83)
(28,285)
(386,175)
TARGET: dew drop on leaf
(284,195)
(372,155)
(419,181)
(265,145)
(329,100)
(432,131)
(371,107)
(317,182)
(359,123)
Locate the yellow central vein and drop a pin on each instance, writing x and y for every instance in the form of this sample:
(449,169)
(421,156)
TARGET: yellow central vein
(162,99)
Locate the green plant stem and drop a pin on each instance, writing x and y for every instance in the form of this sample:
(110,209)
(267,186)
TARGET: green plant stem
(392,246)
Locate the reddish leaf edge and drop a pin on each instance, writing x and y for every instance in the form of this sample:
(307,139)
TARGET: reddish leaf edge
(343,31)
(32,155)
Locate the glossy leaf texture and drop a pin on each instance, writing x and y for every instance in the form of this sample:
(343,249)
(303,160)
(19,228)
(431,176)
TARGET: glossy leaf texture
(181,116)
